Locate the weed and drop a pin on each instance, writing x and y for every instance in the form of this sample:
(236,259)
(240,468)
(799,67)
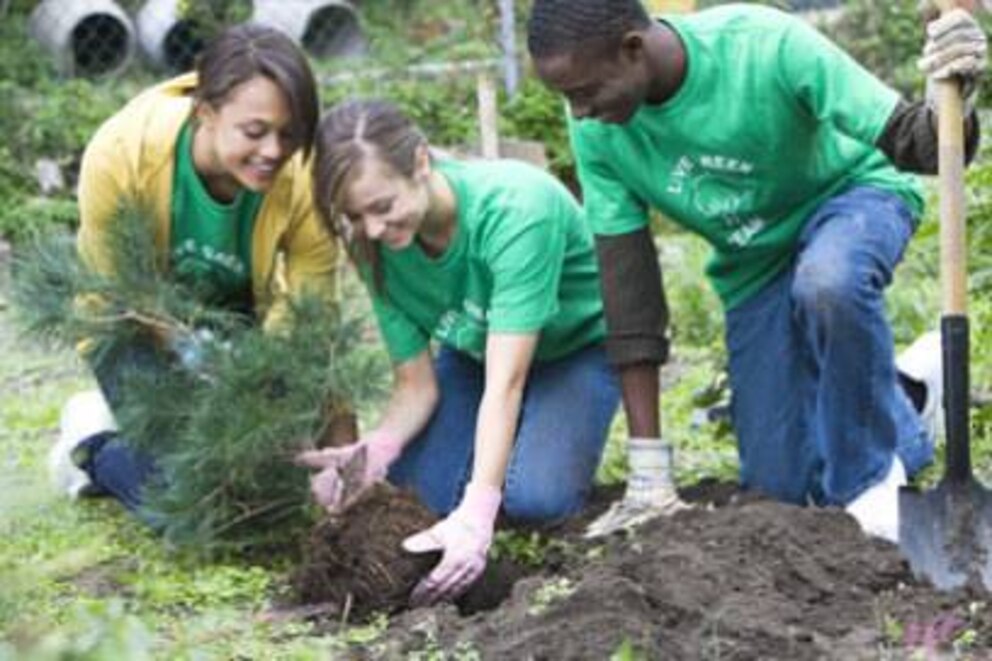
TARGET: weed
(526,548)
(627,652)
(549,593)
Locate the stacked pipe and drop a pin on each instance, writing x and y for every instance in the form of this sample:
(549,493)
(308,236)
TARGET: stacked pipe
(97,38)
(325,28)
(167,39)
(86,37)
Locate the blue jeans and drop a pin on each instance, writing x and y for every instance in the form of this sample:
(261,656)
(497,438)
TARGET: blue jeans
(817,406)
(565,416)
(114,467)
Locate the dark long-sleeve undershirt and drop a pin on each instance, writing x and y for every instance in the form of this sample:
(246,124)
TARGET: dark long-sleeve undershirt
(910,138)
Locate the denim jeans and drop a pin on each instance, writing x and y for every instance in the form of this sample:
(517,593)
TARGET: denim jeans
(114,467)
(565,415)
(817,406)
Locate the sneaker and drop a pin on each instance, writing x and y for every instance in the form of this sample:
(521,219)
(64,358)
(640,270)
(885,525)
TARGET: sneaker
(85,415)
(877,508)
(922,362)
(627,514)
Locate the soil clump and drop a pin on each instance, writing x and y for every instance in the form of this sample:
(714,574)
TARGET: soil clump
(355,562)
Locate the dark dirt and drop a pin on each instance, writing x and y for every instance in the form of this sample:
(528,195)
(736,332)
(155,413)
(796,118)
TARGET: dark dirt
(355,563)
(748,579)
(736,577)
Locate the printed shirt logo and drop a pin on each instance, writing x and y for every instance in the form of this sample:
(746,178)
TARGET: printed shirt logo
(205,255)
(721,190)
(215,274)
(464,329)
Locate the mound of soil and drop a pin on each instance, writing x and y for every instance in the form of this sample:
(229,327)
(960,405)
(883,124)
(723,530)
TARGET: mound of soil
(750,580)
(356,564)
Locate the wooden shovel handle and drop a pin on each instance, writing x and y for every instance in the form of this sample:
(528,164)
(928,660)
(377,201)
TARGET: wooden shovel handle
(953,244)
(953,270)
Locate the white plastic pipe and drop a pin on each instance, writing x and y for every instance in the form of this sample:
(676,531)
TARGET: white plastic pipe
(86,37)
(324,28)
(166,39)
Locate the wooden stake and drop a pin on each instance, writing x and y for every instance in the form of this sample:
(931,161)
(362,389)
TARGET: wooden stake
(488,129)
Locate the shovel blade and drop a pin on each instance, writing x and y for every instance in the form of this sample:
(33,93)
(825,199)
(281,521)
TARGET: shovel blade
(946,533)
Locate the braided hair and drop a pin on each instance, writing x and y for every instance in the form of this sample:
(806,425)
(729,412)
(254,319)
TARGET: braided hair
(557,27)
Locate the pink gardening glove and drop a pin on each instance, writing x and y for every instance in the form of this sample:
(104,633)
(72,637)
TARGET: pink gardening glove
(346,472)
(464,537)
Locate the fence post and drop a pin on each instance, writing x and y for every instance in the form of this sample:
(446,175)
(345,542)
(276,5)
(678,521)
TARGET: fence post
(488,126)
(508,38)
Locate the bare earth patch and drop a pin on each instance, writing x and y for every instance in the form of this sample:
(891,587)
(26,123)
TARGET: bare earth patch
(752,580)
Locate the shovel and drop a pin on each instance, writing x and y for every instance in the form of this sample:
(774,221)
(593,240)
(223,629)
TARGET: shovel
(946,533)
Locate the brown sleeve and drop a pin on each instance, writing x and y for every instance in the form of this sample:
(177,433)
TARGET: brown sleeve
(910,138)
(633,298)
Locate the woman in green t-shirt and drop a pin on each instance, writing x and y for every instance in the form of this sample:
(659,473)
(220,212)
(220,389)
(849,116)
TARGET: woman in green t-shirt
(216,157)
(492,261)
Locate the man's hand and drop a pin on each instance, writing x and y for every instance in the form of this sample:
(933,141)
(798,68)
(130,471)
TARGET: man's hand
(464,538)
(650,489)
(346,473)
(956,47)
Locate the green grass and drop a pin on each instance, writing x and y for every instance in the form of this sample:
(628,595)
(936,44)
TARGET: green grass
(85,580)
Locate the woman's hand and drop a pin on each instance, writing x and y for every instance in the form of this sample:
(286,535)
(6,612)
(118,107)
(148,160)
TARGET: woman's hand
(346,473)
(463,538)
(465,535)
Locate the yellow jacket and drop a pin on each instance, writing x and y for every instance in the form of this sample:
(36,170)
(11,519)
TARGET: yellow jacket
(131,160)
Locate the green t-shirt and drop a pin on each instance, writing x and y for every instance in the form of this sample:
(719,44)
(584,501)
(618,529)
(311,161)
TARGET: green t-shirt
(210,241)
(521,260)
(771,120)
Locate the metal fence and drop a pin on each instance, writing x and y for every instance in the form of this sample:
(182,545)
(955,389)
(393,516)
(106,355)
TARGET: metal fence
(101,38)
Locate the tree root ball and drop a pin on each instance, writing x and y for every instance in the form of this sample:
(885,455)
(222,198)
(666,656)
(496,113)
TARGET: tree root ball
(355,562)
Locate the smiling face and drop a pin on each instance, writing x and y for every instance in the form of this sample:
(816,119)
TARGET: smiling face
(245,140)
(383,205)
(597,85)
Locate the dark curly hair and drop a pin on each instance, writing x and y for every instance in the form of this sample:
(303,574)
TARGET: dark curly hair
(556,27)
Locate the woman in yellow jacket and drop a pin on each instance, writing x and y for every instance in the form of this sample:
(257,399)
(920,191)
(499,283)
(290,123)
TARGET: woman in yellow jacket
(217,159)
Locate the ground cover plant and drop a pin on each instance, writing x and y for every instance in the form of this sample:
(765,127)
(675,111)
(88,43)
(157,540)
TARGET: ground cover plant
(746,579)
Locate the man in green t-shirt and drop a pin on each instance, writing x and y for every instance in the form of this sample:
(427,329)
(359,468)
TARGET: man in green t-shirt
(748,127)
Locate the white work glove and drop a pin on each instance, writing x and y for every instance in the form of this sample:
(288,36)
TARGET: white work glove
(956,47)
(464,538)
(650,489)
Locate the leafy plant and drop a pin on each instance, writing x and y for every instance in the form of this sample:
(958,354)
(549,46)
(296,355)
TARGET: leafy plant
(627,652)
(524,548)
(550,592)
(226,405)
(97,632)
(25,217)
(886,37)
(207,18)
(537,113)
